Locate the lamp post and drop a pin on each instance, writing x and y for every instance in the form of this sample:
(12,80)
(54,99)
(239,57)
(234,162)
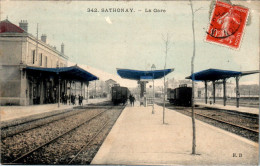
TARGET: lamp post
(153,68)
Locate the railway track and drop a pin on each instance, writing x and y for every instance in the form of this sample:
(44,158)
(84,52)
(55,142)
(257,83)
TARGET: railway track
(9,131)
(252,104)
(88,143)
(23,125)
(228,123)
(41,153)
(245,125)
(16,161)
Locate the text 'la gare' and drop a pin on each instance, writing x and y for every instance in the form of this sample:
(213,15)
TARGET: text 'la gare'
(155,10)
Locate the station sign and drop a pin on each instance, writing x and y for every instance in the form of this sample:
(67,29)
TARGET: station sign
(146,78)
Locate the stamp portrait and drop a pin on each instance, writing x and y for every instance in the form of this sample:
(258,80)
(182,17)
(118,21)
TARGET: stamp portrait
(227,25)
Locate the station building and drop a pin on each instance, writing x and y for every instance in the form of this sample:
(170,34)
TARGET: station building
(32,71)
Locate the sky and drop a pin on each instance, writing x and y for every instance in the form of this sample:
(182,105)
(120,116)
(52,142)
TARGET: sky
(110,40)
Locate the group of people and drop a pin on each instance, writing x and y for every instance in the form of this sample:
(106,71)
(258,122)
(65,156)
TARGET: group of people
(132,100)
(71,98)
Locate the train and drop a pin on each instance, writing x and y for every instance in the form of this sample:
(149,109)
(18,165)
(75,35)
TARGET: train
(119,94)
(180,96)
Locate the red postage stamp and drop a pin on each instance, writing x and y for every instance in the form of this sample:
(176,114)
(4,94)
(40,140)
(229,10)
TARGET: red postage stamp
(227,25)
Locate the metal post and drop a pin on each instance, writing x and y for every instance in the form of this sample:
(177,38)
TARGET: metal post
(237,91)
(153,95)
(206,92)
(214,92)
(163,97)
(224,92)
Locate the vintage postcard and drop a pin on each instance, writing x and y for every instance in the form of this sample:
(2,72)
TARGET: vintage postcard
(129,82)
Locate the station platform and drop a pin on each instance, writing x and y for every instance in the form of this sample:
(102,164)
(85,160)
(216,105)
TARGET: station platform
(231,108)
(15,112)
(139,138)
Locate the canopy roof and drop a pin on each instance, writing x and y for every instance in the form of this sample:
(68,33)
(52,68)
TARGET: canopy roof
(72,73)
(217,74)
(138,74)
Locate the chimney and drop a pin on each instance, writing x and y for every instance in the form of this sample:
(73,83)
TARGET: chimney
(24,25)
(43,38)
(62,48)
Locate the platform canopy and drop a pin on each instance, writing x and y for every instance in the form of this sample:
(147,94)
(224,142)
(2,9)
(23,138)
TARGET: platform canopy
(217,74)
(145,75)
(72,73)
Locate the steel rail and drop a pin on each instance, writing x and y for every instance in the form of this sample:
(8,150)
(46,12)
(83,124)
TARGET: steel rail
(92,138)
(231,112)
(5,127)
(222,121)
(57,137)
(88,143)
(9,134)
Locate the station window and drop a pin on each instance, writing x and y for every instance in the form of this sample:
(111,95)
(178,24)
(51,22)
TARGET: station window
(40,59)
(46,61)
(33,56)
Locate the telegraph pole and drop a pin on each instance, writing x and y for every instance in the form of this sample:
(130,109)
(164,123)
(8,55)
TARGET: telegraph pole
(166,53)
(192,75)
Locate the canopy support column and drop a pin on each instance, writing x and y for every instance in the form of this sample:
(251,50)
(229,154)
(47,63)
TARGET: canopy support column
(142,92)
(81,85)
(224,92)
(237,90)
(214,92)
(41,92)
(84,90)
(206,92)
(87,83)
(70,93)
(143,88)
(59,92)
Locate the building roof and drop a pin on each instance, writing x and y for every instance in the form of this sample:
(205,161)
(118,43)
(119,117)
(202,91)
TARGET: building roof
(70,73)
(217,74)
(8,27)
(110,81)
(138,74)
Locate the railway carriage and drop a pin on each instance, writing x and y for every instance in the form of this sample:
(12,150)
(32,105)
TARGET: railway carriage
(180,96)
(119,94)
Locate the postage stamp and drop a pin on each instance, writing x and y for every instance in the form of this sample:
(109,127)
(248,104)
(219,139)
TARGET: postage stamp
(227,25)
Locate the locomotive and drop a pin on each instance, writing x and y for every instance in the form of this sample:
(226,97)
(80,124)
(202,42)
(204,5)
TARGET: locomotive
(180,96)
(119,94)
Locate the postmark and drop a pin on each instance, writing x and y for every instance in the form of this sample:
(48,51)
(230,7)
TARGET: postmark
(227,25)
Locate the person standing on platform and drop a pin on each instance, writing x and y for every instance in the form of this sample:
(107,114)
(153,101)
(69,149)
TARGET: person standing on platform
(72,99)
(81,97)
(133,101)
(66,99)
